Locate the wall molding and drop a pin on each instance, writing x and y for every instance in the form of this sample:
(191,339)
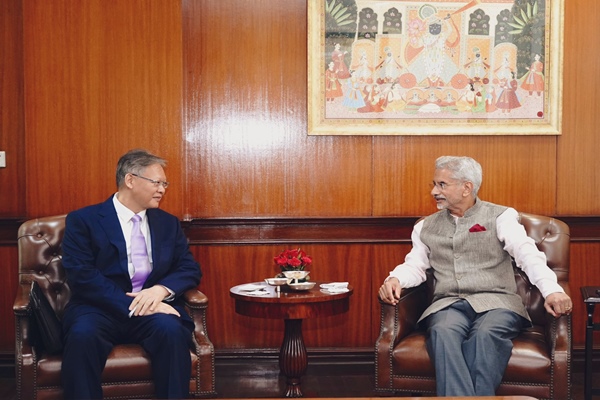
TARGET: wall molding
(299,230)
(381,230)
(255,231)
(8,230)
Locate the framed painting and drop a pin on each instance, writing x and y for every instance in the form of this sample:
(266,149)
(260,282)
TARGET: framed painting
(436,67)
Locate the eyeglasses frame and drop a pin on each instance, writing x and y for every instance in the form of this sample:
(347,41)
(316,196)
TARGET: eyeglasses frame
(164,184)
(443,185)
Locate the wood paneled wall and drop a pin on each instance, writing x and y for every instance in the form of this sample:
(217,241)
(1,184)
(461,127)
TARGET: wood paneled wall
(218,87)
(100,78)
(12,129)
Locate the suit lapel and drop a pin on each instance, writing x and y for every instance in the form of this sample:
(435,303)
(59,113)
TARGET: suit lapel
(109,221)
(155,239)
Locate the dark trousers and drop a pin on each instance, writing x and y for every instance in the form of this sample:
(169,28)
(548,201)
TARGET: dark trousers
(470,350)
(90,339)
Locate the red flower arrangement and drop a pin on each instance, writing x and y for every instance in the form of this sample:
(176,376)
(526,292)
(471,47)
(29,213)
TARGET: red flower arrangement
(293,260)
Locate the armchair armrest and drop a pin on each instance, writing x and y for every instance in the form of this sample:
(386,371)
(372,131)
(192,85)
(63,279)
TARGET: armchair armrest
(194,298)
(396,323)
(21,304)
(25,355)
(196,304)
(558,332)
(412,304)
(21,309)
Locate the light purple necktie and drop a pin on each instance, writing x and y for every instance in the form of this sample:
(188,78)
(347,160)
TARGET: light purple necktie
(139,255)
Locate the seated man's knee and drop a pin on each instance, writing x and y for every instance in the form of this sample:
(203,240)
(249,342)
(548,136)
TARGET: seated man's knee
(82,339)
(82,332)
(445,330)
(169,326)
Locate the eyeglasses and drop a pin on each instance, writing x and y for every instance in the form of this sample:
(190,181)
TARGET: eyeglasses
(155,183)
(442,185)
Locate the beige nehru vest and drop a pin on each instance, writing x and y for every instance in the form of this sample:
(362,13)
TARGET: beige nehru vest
(470,265)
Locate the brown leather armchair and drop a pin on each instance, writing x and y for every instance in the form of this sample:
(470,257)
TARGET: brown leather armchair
(540,364)
(127,373)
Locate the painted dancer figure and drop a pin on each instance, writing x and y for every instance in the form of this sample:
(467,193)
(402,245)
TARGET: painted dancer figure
(533,80)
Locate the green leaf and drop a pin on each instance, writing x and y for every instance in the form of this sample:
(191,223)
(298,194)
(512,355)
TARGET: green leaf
(535,8)
(515,25)
(345,18)
(525,19)
(529,11)
(328,6)
(340,12)
(520,22)
(336,8)
(516,32)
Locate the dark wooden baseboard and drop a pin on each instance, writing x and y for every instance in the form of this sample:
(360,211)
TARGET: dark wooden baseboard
(321,356)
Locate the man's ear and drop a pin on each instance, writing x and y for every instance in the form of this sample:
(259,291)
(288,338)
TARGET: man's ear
(468,188)
(128,181)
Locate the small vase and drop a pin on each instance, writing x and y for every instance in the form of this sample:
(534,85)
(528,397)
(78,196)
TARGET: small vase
(297,275)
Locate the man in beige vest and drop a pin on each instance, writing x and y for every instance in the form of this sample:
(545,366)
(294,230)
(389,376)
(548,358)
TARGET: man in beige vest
(476,311)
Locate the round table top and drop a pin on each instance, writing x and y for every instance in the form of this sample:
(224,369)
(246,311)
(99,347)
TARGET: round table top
(289,303)
(286,294)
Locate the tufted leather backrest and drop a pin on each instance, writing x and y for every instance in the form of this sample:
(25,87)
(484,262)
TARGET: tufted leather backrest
(40,258)
(552,237)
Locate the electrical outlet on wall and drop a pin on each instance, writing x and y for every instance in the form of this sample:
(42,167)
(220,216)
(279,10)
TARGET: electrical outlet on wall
(2,159)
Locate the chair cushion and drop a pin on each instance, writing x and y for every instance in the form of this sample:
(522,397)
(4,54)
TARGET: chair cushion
(126,363)
(412,348)
(529,359)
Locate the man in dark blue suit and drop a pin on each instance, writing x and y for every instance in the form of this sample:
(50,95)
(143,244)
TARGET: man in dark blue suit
(114,300)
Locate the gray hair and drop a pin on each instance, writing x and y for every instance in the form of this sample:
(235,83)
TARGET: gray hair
(464,169)
(135,162)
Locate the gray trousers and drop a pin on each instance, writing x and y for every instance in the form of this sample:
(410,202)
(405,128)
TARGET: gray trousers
(470,350)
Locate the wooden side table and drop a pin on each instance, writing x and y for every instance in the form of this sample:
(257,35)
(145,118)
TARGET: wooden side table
(291,306)
(591,297)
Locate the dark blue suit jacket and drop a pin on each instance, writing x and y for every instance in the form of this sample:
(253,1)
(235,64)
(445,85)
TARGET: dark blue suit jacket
(95,261)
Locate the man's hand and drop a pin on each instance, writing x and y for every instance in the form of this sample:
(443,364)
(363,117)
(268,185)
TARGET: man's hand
(558,304)
(164,308)
(390,291)
(149,301)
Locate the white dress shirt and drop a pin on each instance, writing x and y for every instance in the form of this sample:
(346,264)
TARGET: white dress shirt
(125,215)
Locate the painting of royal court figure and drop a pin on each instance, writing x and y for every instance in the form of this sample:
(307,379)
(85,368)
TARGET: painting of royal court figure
(435,50)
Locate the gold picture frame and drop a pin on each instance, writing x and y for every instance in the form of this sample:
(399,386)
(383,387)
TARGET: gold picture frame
(437,67)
